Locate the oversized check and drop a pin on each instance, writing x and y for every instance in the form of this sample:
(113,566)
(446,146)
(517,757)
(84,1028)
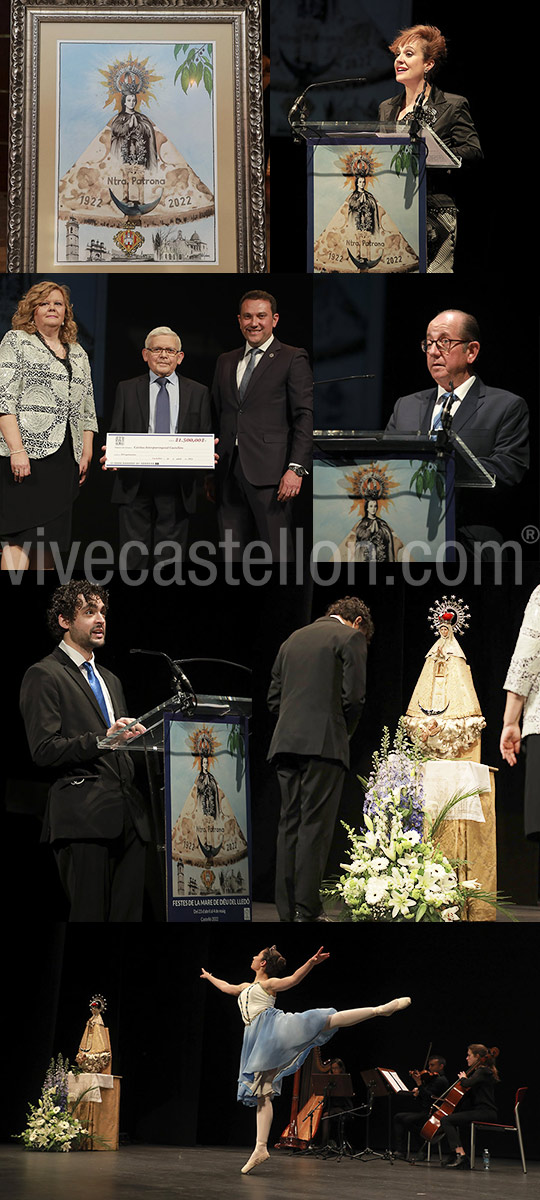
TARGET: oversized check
(168,450)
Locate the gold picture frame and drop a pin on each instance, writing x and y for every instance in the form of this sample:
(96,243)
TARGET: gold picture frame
(136,137)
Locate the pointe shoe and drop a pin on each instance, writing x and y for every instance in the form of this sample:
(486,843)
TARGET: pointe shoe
(260,1155)
(393,1006)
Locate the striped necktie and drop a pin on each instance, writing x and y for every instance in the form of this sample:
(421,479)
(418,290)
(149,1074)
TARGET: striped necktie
(445,407)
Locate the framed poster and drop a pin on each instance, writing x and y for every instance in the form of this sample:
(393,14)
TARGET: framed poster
(367,205)
(207,808)
(368,510)
(136,137)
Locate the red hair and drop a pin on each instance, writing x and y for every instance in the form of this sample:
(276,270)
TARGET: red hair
(431,40)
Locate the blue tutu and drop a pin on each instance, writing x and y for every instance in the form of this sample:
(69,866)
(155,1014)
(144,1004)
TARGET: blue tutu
(276,1044)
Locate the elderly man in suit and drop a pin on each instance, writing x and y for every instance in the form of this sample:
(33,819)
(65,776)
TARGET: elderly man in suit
(317,689)
(493,423)
(155,505)
(95,818)
(263,396)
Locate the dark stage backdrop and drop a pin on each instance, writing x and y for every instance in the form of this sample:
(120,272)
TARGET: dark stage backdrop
(488,212)
(228,621)
(247,625)
(375,327)
(115,313)
(396,656)
(176,1040)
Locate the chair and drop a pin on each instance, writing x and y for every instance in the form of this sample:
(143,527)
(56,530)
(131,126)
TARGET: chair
(428,1147)
(496,1128)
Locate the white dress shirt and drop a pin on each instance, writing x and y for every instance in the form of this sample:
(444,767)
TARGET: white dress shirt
(79,660)
(459,392)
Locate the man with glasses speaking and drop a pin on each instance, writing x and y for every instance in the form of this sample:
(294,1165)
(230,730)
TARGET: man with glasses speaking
(493,423)
(155,505)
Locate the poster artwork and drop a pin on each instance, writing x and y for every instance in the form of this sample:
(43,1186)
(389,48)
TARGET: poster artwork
(136,153)
(374,227)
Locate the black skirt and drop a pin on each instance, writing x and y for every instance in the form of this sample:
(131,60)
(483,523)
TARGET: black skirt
(532,786)
(42,501)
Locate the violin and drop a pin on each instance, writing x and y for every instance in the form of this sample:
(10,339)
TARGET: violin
(422,1075)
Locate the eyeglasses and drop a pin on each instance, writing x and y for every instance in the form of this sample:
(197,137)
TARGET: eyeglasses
(443,344)
(160,350)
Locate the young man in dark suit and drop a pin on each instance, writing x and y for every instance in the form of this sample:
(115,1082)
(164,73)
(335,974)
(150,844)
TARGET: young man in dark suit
(263,397)
(156,505)
(317,689)
(95,818)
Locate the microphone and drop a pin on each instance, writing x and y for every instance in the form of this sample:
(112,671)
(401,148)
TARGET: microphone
(416,113)
(177,672)
(299,109)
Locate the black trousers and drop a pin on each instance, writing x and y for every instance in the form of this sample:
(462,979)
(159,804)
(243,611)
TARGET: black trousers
(153,517)
(457,1126)
(104,877)
(310,794)
(254,514)
(409,1122)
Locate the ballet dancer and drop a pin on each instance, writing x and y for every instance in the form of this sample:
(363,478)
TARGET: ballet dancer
(277,1043)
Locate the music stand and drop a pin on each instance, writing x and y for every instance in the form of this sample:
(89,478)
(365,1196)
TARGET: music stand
(375,1087)
(340,1086)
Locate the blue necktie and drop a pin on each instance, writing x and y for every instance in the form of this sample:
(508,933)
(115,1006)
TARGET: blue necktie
(248,371)
(437,424)
(163,409)
(97,690)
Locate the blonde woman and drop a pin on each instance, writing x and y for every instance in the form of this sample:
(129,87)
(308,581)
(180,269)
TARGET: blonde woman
(47,425)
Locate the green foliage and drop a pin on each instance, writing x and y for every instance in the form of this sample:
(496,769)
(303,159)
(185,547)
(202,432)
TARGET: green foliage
(196,66)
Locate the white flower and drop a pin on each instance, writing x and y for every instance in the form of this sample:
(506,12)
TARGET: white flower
(379,863)
(473,884)
(450,914)
(401,904)
(376,888)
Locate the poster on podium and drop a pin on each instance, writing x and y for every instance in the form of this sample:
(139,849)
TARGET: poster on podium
(367,205)
(207,807)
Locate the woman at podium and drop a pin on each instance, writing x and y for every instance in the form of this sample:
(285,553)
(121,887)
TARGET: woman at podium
(419,52)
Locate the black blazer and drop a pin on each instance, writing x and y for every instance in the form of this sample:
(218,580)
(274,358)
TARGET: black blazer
(318,688)
(492,422)
(131,415)
(63,721)
(452,121)
(274,420)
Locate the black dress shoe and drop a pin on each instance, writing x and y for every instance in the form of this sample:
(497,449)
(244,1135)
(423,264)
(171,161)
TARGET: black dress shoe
(461,1163)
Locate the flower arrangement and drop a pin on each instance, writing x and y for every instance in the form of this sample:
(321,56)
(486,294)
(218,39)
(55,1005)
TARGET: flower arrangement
(397,871)
(50,1126)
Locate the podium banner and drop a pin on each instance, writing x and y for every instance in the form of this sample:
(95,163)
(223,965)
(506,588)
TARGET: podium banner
(366,204)
(207,819)
(373,510)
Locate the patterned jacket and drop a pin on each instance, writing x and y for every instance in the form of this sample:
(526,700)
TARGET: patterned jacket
(35,387)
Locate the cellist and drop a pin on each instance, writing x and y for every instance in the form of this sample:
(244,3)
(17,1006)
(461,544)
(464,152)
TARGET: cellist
(478,1103)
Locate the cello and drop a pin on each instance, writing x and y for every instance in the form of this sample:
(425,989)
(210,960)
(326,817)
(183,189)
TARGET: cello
(445,1104)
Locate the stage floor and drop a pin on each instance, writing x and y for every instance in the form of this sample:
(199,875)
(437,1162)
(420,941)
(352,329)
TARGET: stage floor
(210,1173)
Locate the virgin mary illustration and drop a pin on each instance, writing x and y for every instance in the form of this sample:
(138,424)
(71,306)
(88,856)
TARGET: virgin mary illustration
(372,538)
(207,833)
(132,170)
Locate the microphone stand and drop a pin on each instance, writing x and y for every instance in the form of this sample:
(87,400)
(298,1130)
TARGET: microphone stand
(298,111)
(416,113)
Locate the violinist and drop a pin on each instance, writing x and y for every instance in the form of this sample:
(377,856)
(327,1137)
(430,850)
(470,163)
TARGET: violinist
(478,1103)
(430,1083)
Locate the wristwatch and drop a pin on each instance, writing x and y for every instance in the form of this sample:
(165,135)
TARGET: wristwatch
(297,470)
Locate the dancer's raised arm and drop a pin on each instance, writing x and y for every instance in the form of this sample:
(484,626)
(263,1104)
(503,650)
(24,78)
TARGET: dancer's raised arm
(231,989)
(277,984)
